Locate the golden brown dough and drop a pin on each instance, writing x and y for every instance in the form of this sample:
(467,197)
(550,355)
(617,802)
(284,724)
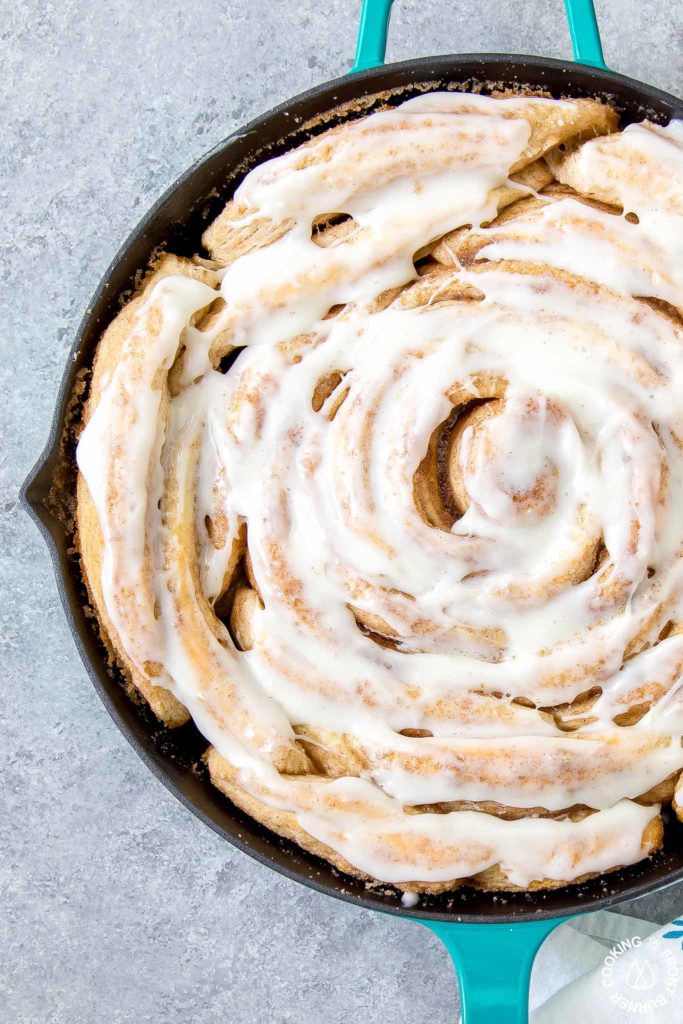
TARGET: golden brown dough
(451,274)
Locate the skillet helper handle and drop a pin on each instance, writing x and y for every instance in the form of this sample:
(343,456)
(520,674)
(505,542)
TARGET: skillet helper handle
(494,962)
(374,23)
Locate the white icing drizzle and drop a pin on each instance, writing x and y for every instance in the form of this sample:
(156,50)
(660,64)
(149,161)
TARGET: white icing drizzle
(482,614)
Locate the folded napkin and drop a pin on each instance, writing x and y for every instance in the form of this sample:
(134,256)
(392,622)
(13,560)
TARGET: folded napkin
(611,969)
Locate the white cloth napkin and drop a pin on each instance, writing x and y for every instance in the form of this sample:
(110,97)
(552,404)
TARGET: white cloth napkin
(611,969)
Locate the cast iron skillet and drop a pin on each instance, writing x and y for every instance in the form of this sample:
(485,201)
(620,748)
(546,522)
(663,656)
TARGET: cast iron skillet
(176,221)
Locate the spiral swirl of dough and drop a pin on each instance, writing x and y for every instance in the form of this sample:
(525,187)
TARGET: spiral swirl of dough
(388,494)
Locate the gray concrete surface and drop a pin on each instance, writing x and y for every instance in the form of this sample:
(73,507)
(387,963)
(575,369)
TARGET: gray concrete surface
(117,905)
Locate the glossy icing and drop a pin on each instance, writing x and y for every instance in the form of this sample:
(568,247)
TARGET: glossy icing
(582,454)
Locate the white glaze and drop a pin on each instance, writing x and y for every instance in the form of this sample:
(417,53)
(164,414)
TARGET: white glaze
(330,504)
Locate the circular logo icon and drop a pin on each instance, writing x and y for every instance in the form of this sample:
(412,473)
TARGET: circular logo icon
(641,977)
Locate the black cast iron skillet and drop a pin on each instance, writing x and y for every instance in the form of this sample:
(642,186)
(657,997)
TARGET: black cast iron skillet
(176,222)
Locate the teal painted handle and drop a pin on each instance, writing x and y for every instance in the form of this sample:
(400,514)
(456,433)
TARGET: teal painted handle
(374,23)
(371,46)
(494,964)
(583,28)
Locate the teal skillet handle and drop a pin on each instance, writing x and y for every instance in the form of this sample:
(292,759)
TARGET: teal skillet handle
(494,964)
(374,23)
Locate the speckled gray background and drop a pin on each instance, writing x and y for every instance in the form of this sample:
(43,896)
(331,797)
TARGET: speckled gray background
(118,906)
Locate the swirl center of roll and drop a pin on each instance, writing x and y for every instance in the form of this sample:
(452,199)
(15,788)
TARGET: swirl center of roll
(487,467)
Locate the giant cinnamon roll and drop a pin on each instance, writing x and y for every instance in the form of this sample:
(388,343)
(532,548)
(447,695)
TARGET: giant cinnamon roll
(387,493)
